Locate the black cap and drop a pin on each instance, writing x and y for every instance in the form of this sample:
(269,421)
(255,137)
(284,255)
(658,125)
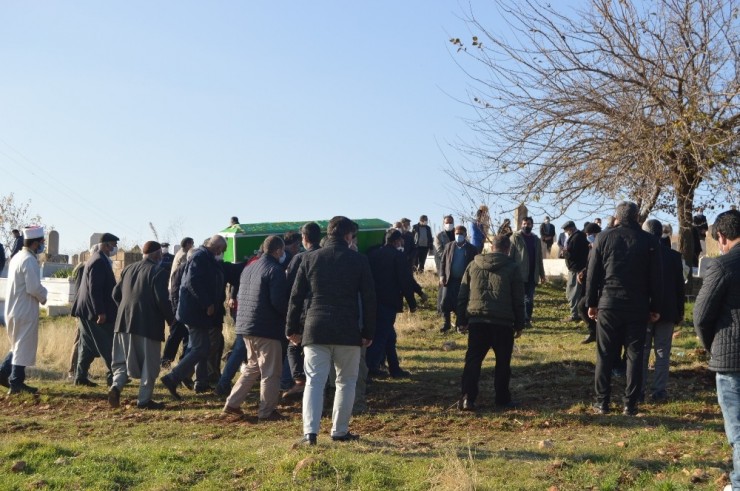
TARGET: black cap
(108,237)
(569,224)
(592,229)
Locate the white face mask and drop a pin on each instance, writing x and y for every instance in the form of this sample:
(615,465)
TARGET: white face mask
(449,227)
(281,260)
(400,248)
(165,250)
(220,257)
(113,251)
(459,238)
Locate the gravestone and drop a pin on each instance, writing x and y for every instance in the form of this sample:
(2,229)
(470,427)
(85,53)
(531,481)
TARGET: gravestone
(52,243)
(519,214)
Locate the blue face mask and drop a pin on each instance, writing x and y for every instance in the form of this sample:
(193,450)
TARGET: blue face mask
(591,239)
(282,258)
(41,248)
(459,238)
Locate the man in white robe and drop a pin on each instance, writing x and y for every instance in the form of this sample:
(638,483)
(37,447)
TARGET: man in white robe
(23,294)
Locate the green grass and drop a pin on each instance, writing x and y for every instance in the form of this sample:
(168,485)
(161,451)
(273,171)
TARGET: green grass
(413,439)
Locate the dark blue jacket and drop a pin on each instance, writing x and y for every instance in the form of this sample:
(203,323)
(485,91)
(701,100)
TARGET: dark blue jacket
(292,272)
(95,295)
(393,278)
(717,312)
(202,285)
(263,300)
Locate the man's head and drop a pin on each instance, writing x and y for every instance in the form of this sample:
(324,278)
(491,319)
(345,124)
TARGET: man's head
(423,220)
(165,247)
(569,227)
(448,223)
(501,244)
(626,213)
(591,230)
(546,220)
(726,230)
(527,223)
(653,227)
(311,234)
(108,244)
(33,238)
(460,234)
(292,241)
(152,251)
(16,233)
(216,245)
(597,221)
(393,238)
(406,223)
(234,221)
(341,228)
(274,246)
(187,243)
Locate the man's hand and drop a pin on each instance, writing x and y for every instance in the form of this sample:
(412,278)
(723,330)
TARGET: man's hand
(517,333)
(593,313)
(295,339)
(232,303)
(210,310)
(100,319)
(441,282)
(654,317)
(543,280)
(579,278)
(366,342)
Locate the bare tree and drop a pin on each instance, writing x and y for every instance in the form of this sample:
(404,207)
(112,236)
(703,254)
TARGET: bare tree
(14,215)
(620,99)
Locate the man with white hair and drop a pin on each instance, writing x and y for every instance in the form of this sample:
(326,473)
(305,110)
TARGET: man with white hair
(143,307)
(23,295)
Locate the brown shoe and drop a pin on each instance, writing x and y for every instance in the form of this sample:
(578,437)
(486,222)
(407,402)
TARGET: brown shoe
(234,411)
(294,391)
(274,416)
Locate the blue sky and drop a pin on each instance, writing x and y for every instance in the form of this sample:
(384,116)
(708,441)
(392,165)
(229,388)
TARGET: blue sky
(115,115)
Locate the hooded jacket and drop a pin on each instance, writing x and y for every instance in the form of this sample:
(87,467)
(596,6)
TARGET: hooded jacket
(492,292)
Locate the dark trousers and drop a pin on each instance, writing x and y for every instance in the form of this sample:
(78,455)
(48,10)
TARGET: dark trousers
(197,358)
(529,287)
(16,374)
(421,258)
(384,341)
(583,312)
(95,339)
(215,353)
(237,356)
(615,329)
(481,338)
(295,359)
(178,334)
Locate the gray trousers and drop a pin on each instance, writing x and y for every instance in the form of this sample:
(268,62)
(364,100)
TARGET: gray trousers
(573,294)
(136,357)
(659,338)
(95,339)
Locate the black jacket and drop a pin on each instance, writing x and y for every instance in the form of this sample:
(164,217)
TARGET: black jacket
(393,278)
(419,230)
(717,312)
(576,252)
(292,272)
(143,303)
(202,286)
(446,263)
(263,300)
(96,289)
(625,266)
(673,286)
(338,285)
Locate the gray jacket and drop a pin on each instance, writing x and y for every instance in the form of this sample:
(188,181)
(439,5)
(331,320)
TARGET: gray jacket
(518,251)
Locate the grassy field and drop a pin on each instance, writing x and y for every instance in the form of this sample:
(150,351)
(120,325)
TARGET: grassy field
(414,437)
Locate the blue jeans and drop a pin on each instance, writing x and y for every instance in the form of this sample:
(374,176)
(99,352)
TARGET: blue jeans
(384,341)
(236,358)
(197,358)
(728,396)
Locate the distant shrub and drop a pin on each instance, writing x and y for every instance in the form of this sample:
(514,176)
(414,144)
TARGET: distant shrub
(62,273)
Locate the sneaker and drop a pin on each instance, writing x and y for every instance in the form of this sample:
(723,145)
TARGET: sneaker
(347,437)
(114,397)
(308,439)
(22,388)
(589,339)
(171,387)
(85,382)
(233,411)
(464,404)
(274,416)
(154,405)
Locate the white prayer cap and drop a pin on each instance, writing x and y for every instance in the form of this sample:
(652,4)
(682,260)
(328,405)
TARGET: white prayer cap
(33,233)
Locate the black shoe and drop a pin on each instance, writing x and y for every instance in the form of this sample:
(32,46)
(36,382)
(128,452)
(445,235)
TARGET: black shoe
(464,404)
(151,405)
(347,437)
(274,416)
(22,388)
(308,439)
(4,380)
(188,384)
(401,374)
(589,339)
(507,405)
(377,373)
(461,330)
(528,324)
(202,389)
(114,397)
(660,398)
(630,410)
(600,408)
(85,382)
(171,386)
(445,328)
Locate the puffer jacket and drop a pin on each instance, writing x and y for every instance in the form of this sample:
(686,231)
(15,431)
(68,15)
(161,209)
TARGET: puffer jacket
(492,292)
(717,312)
(263,300)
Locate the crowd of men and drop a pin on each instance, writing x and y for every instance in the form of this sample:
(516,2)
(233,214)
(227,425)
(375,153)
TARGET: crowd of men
(326,314)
